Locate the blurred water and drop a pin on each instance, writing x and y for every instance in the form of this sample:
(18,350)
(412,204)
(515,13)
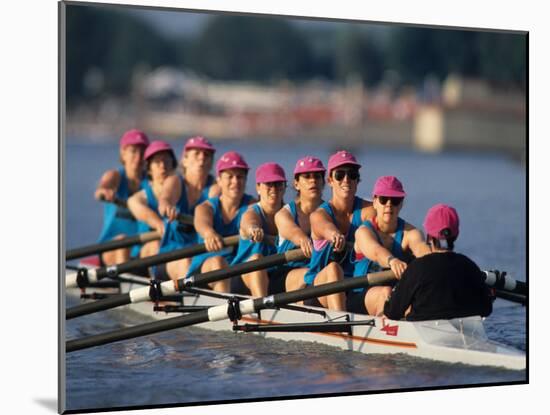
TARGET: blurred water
(195,365)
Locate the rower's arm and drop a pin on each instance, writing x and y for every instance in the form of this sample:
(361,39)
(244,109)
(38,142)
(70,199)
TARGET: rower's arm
(322,227)
(204,221)
(251,226)
(368,245)
(288,229)
(169,196)
(108,185)
(204,224)
(414,241)
(137,204)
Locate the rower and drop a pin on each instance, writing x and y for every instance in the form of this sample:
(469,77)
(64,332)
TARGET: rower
(334,224)
(256,222)
(120,184)
(385,240)
(442,284)
(160,164)
(294,227)
(220,216)
(180,195)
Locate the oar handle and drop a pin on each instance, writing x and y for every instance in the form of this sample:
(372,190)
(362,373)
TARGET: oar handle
(111,245)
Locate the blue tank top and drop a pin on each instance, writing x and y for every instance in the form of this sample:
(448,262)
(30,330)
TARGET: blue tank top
(118,220)
(247,248)
(176,235)
(365,265)
(320,258)
(222,228)
(152,203)
(285,245)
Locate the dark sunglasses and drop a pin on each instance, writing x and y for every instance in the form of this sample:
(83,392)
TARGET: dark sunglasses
(313,175)
(394,201)
(340,174)
(276,185)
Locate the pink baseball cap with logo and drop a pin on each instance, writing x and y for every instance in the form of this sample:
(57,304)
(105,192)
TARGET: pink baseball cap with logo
(269,173)
(230,160)
(340,158)
(439,218)
(388,186)
(198,142)
(134,137)
(309,164)
(156,147)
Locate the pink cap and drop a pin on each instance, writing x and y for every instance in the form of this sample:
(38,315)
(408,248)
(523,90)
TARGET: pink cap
(340,158)
(200,143)
(134,137)
(270,172)
(156,147)
(230,160)
(388,186)
(439,218)
(309,164)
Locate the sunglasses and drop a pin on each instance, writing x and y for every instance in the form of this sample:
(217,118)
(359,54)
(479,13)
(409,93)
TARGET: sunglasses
(340,174)
(313,175)
(394,201)
(276,185)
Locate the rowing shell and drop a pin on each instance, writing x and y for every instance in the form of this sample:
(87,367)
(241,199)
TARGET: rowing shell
(461,340)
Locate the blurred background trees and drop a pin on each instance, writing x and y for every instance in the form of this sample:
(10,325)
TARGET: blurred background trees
(106,46)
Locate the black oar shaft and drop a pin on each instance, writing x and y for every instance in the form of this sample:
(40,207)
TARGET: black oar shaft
(199,279)
(322,290)
(137,331)
(104,304)
(239,269)
(223,311)
(111,245)
(174,255)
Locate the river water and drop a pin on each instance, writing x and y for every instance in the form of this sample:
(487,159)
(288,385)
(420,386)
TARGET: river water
(194,365)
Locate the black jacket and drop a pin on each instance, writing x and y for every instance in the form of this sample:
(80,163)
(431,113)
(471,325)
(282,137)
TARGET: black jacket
(440,286)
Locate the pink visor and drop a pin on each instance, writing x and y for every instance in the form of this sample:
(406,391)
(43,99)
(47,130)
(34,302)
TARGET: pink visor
(439,218)
(340,158)
(156,147)
(309,164)
(200,143)
(269,173)
(388,186)
(230,160)
(134,137)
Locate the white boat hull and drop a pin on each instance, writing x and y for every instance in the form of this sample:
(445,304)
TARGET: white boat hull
(455,341)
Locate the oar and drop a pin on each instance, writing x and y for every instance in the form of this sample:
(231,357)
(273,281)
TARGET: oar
(85,276)
(232,311)
(111,245)
(506,287)
(172,287)
(185,219)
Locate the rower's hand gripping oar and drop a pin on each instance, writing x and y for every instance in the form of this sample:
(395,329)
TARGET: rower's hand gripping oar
(85,276)
(167,288)
(233,311)
(185,219)
(111,245)
(122,243)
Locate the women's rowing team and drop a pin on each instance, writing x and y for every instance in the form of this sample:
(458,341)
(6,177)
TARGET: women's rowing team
(344,237)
